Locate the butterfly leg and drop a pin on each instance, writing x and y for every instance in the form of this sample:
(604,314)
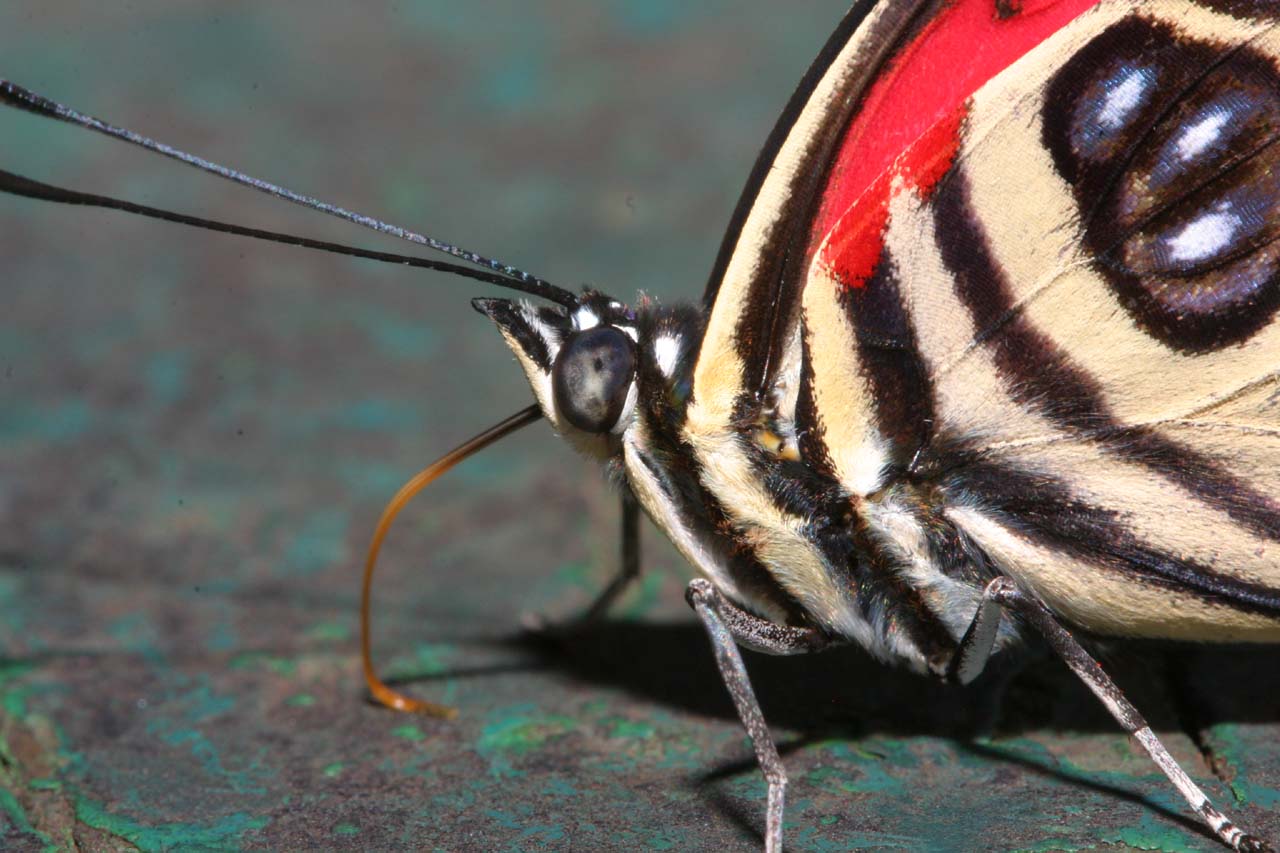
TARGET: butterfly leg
(975,647)
(1002,593)
(630,569)
(728,626)
(627,575)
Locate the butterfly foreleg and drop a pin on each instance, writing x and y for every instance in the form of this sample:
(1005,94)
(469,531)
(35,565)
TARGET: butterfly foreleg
(976,646)
(971,656)
(629,569)
(628,573)
(728,627)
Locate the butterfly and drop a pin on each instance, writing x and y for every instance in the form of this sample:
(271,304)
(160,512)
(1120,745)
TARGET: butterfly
(993,328)
(988,355)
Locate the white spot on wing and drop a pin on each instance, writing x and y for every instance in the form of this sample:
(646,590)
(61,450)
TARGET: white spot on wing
(666,352)
(1125,98)
(1197,138)
(585,319)
(1204,236)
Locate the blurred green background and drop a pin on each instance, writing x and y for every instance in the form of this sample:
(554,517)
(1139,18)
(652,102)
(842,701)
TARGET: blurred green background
(198,432)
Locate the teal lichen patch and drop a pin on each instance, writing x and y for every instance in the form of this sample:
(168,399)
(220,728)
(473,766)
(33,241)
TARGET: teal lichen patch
(651,19)
(202,703)
(577,575)
(61,421)
(13,697)
(1154,830)
(1148,780)
(409,733)
(136,634)
(808,839)
(333,770)
(222,636)
(431,658)
(376,415)
(372,480)
(517,731)
(301,700)
(29,756)
(397,337)
(556,786)
(319,544)
(1055,845)
(182,725)
(1033,752)
(247,779)
(1153,834)
(630,729)
(258,661)
(841,780)
(1229,743)
(658,742)
(331,632)
(864,767)
(13,810)
(661,839)
(529,834)
(458,800)
(642,598)
(347,829)
(427,660)
(166,376)
(221,834)
(513,83)
(9,585)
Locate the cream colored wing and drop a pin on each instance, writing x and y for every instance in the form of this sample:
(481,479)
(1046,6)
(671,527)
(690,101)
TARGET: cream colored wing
(1080,322)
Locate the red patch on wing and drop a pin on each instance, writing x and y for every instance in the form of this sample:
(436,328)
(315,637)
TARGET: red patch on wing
(905,133)
(853,249)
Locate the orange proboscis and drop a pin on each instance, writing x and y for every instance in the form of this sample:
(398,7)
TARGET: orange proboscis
(381,692)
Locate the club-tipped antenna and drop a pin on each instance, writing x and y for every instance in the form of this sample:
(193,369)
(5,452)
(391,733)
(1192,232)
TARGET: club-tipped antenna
(17,96)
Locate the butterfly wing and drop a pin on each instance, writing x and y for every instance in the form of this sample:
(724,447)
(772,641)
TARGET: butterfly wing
(1033,326)
(1121,321)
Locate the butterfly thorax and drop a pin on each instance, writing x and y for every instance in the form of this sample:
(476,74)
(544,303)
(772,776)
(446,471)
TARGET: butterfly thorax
(782,539)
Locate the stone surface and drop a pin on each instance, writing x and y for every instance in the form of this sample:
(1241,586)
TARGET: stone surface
(198,434)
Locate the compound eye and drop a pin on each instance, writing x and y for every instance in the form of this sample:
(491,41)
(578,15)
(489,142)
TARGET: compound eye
(592,377)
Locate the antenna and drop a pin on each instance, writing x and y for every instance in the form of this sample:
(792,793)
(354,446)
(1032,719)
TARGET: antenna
(14,95)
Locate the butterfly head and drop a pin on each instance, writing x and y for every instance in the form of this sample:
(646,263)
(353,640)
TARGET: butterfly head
(581,363)
(600,366)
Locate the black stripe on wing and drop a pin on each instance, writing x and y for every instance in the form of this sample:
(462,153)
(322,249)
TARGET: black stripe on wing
(868,576)
(891,362)
(773,296)
(1262,10)
(1042,377)
(1042,509)
(781,129)
(678,476)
